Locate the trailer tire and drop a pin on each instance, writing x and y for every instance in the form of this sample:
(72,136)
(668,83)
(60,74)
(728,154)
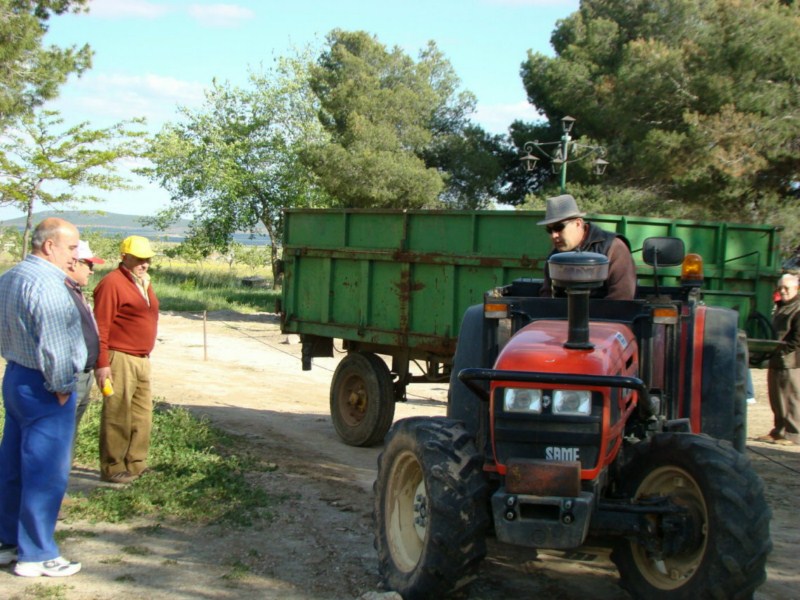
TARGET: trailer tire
(429,514)
(362,399)
(759,327)
(730,517)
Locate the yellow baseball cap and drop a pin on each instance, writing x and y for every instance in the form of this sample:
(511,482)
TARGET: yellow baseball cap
(137,246)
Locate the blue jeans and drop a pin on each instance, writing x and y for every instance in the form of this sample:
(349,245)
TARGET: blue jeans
(34,463)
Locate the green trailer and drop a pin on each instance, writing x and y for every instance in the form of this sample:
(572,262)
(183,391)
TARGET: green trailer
(395,284)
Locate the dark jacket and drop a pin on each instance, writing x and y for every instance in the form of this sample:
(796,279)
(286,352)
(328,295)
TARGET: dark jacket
(621,282)
(786,322)
(88,325)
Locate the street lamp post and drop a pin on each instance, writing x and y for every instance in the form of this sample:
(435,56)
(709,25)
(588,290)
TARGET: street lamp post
(567,151)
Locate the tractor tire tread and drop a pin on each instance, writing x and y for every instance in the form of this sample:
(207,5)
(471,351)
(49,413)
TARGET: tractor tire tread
(456,491)
(734,564)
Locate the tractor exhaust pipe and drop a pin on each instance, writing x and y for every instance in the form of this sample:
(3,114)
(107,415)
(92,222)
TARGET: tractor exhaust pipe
(578,319)
(579,273)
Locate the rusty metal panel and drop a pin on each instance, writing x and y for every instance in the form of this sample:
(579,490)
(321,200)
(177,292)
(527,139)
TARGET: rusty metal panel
(394,277)
(543,478)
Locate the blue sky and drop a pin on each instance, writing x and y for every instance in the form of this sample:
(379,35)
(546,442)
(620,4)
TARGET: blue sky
(152,56)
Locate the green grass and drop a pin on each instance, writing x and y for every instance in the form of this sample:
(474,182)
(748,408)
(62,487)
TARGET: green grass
(63,534)
(137,550)
(199,475)
(43,591)
(197,289)
(238,571)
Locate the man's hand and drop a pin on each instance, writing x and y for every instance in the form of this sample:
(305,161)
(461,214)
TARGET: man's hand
(62,398)
(101,374)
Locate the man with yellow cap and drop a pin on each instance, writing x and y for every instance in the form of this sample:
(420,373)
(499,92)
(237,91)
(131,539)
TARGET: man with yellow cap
(126,311)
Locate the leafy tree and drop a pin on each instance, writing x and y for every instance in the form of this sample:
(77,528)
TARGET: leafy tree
(251,255)
(469,159)
(399,130)
(233,165)
(103,245)
(41,165)
(10,239)
(31,73)
(187,251)
(697,100)
(471,162)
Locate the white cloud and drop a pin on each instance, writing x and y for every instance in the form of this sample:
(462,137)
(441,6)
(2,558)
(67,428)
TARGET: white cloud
(496,118)
(125,9)
(210,15)
(103,99)
(220,15)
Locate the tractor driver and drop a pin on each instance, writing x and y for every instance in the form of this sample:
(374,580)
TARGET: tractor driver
(568,231)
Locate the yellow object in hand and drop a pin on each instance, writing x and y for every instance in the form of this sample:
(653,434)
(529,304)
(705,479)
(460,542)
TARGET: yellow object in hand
(107,389)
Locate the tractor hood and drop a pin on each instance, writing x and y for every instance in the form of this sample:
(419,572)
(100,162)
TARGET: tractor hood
(540,347)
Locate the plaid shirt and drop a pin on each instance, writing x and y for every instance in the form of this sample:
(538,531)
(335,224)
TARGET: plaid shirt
(40,327)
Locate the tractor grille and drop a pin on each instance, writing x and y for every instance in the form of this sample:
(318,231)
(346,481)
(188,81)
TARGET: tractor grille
(547,436)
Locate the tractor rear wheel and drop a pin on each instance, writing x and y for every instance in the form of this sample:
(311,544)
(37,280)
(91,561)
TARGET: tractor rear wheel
(430,513)
(462,403)
(362,399)
(723,408)
(740,394)
(723,554)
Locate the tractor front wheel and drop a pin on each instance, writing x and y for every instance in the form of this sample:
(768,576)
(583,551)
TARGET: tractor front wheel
(430,508)
(723,551)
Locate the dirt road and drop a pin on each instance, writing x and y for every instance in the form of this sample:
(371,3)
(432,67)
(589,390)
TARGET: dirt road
(248,380)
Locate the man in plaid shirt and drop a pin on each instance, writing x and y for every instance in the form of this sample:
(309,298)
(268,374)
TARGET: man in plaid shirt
(42,343)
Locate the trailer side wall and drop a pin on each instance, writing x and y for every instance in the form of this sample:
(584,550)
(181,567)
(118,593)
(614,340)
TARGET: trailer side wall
(403,279)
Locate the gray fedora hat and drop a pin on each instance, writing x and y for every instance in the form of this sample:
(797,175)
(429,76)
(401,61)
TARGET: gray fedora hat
(561,208)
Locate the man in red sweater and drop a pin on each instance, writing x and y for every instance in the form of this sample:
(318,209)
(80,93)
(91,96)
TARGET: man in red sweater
(126,311)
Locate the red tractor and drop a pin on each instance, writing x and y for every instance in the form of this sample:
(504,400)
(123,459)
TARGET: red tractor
(619,422)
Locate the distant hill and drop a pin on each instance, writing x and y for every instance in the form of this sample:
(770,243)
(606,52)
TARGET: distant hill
(116,224)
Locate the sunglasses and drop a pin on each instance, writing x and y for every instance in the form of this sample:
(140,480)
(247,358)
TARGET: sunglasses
(558,227)
(88,264)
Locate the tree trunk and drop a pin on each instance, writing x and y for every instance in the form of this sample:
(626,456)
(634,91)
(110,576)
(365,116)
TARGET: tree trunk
(277,275)
(26,234)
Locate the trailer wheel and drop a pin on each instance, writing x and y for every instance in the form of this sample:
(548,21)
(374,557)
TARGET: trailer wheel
(725,549)
(759,327)
(362,399)
(429,513)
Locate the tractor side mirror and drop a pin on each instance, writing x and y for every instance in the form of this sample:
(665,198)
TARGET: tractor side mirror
(663,251)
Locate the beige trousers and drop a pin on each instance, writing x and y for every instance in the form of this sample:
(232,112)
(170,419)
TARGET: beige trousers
(127,416)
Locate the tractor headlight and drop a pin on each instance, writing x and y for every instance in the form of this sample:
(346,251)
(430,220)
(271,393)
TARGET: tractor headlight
(572,402)
(522,400)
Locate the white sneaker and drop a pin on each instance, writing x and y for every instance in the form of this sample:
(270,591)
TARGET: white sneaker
(751,400)
(58,567)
